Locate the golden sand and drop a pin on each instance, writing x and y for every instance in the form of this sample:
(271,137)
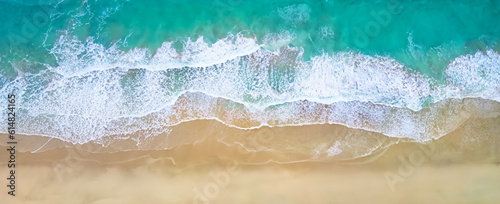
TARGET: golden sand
(214,171)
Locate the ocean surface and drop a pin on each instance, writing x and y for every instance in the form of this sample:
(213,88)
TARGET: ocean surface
(105,71)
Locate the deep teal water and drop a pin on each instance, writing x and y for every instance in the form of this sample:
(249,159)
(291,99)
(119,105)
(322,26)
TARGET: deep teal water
(439,30)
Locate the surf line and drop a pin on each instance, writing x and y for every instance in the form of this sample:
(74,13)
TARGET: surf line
(11,143)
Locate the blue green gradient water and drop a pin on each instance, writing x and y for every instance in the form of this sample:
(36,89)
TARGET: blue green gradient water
(137,58)
(371,27)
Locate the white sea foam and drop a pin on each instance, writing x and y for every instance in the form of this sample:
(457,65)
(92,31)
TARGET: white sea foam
(95,92)
(297,13)
(334,150)
(76,58)
(476,75)
(349,77)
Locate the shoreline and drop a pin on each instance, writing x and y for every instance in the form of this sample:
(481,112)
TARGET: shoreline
(321,142)
(441,175)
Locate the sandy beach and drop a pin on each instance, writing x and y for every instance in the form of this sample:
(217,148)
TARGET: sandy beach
(210,171)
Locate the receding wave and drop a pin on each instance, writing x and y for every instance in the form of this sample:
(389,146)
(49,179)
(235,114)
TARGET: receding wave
(95,93)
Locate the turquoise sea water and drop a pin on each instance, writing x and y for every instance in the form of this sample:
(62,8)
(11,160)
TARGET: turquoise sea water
(85,70)
(413,32)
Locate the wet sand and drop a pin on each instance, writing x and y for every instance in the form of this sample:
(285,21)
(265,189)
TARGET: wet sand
(441,171)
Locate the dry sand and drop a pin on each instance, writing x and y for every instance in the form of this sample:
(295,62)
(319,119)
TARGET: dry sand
(405,173)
